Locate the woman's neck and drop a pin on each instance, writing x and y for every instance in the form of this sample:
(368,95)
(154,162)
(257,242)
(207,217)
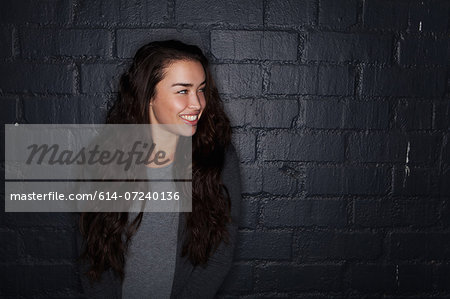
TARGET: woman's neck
(165,148)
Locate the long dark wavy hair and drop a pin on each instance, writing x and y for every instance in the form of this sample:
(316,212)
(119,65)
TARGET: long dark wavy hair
(205,227)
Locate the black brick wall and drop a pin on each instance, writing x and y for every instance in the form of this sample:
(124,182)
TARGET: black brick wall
(325,98)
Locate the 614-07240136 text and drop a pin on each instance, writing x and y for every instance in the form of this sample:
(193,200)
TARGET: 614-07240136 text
(102,195)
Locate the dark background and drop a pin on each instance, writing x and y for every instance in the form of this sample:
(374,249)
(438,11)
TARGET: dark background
(325,96)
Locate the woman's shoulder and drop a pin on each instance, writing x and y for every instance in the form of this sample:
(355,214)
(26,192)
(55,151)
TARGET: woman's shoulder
(231,150)
(231,177)
(231,161)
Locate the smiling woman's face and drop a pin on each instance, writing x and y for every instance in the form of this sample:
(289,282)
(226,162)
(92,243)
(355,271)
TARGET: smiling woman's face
(179,97)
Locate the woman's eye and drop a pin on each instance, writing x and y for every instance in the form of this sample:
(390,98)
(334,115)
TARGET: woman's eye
(202,90)
(184,91)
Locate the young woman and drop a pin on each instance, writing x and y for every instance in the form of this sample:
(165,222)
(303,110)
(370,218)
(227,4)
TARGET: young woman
(169,255)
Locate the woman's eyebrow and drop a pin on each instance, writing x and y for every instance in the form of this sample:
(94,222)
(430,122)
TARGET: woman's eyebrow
(186,84)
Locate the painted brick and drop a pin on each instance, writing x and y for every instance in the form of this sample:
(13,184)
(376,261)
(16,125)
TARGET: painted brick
(278,181)
(2,167)
(443,277)
(30,220)
(413,115)
(65,42)
(40,12)
(388,213)
(39,281)
(321,114)
(328,245)
(335,80)
(262,45)
(286,111)
(290,12)
(338,15)
(366,115)
(385,14)
(10,246)
(373,277)
(445,187)
(246,12)
(343,47)
(377,147)
(8,111)
(320,277)
(321,180)
(445,211)
(292,79)
(424,148)
(41,78)
(245,144)
(260,113)
(6,44)
(441,112)
(264,245)
(50,110)
(421,246)
(120,12)
(429,16)
(9,278)
(292,213)
(415,278)
(130,40)
(412,182)
(240,279)
(420,50)
(446,149)
(301,147)
(249,214)
(349,180)
(65,110)
(48,244)
(370,180)
(101,77)
(252,179)
(403,82)
(238,79)
(96,115)
(34,279)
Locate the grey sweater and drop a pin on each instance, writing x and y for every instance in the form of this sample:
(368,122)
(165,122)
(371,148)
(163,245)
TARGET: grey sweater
(150,262)
(188,281)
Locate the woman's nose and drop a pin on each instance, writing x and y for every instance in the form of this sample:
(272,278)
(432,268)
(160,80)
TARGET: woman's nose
(194,101)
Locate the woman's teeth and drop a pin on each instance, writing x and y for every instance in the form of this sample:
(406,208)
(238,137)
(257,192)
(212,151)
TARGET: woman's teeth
(189,117)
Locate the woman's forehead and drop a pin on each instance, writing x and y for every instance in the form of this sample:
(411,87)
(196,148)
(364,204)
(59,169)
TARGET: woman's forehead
(184,71)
